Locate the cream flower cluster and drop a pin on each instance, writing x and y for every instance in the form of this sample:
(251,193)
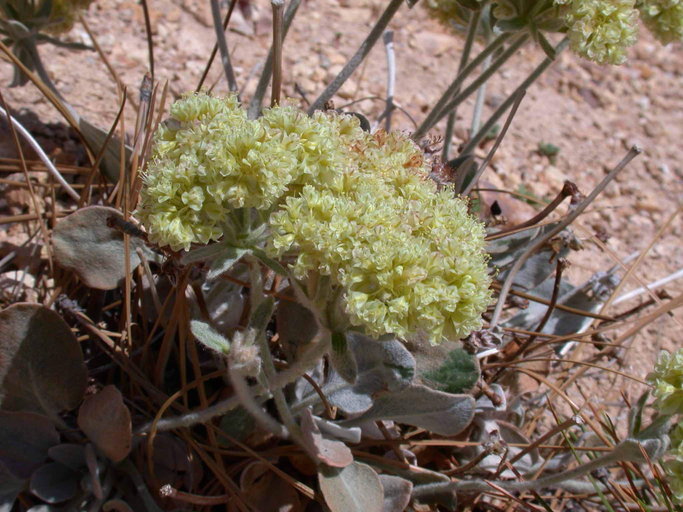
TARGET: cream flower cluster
(674,466)
(209,159)
(409,257)
(664,18)
(341,202)
(64,14)
(598,30)
(602,30)
(667,380)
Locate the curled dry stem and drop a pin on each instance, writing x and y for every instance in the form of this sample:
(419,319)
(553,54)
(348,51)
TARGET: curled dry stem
(568,190)
(507,284)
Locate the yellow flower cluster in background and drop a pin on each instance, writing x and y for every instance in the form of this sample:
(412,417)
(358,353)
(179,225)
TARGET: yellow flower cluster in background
(341,202)
(64,13)
(664,18)
(598,30)
(674,466)
(602,30)
(667,380)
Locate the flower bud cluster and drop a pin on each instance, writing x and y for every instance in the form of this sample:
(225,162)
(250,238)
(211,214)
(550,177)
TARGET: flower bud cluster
(209,159)
(340,202)
(674,466)
(664,18)
(598,30)
(602,30)
(408,256)
(63,15)
(667,380)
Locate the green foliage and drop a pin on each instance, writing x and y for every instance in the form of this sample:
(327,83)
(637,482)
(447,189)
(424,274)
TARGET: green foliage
(458,373)
(530,197)
(549,149)
(667,380)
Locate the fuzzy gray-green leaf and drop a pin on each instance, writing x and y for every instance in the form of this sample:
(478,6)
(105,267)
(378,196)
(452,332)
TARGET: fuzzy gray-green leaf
(209,337)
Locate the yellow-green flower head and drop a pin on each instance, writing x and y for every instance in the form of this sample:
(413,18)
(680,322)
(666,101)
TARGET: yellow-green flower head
(64,13)
(674,466)
(664,18)
(209,159)
(667,380)
(344,203)
(602,30)
(408,257)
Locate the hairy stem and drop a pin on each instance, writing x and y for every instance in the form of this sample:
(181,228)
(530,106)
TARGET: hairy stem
(557,480)
(320,345)
(223,46)
(464,57)
(479,102)
(494,148)
(480,80)
(533,76)
(453,89)
(278,6)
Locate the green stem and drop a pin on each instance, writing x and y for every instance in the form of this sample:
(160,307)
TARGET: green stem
(479,102)
(257,297)
(467,49)
(358,57)
(452,89)
(490,123)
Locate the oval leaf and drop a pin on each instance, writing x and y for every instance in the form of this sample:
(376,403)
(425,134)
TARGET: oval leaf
(458,373)
(105,419)
(420,406)
(355,488)
(209,337)
(328,451)
(397,492)
(41,363)
(54,482)
(85,244)
(25,439)
(379,366)
(70,455)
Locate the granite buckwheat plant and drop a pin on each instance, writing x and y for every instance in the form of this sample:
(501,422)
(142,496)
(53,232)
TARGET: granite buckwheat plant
(231,297)
(337,202)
